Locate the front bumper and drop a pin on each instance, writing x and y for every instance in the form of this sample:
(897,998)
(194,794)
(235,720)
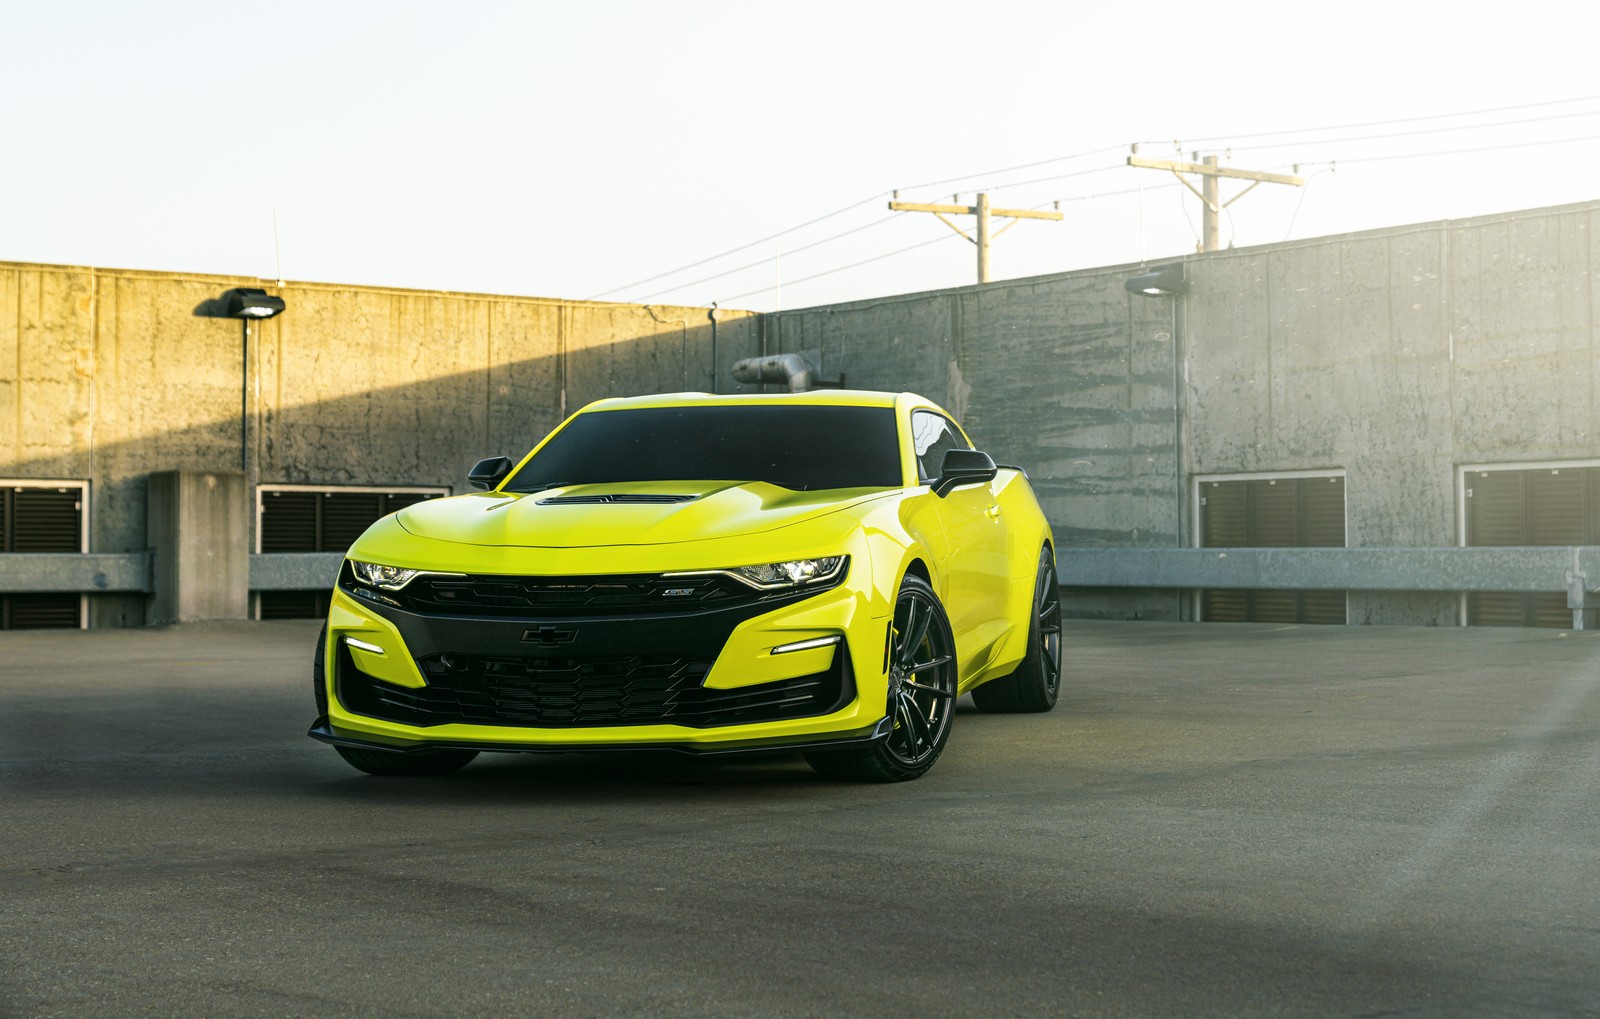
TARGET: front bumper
(703,681)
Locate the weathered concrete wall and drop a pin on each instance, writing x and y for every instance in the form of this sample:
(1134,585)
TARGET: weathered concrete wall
(1396,355)
(112,375)
(1068,376)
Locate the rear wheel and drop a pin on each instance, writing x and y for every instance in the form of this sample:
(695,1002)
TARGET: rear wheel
(1036,682)
(392,762)
(922,691)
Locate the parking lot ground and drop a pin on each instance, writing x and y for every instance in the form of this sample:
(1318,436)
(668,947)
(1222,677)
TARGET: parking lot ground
(1229,820)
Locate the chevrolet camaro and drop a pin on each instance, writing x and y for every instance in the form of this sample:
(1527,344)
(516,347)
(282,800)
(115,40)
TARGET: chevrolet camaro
(824,573)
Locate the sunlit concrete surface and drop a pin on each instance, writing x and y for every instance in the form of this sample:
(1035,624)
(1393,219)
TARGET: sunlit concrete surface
(1217,820)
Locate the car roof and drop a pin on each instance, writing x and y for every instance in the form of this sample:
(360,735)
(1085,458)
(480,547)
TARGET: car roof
(815,398)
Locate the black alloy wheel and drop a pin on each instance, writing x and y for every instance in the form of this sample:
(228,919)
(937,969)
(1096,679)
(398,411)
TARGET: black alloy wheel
(922,694)
(1036,682)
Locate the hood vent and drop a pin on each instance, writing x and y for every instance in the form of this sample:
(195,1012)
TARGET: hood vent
(622,497)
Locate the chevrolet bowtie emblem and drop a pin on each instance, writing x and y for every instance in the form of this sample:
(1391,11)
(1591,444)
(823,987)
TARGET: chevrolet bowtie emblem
(549,636)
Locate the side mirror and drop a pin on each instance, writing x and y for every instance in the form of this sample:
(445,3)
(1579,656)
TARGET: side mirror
(486,474)
(963,467)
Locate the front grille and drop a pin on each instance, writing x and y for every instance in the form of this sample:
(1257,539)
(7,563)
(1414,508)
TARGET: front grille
(535,597)
(567,692)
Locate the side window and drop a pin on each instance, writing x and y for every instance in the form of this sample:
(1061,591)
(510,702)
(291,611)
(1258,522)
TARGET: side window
(931,435)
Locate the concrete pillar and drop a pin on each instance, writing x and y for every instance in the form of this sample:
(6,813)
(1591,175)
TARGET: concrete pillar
(1585,604)
(198,529)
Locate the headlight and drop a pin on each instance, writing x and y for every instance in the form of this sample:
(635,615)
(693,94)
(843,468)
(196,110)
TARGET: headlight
(390,578)
(791,573)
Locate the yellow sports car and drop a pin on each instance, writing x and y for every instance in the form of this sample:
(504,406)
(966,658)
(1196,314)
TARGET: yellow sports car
(823,572)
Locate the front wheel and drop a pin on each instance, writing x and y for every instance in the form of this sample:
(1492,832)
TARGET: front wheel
(1036,682)
(922,691)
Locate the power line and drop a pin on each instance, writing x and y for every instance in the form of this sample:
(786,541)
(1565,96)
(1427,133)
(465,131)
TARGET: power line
(1109,194)
(1129,191)
(781,233)
(1414,133)
(1009,169)
(1454,152)
(1058,176)
(1387,123)
(1112,194)
(764,261)
(842,268)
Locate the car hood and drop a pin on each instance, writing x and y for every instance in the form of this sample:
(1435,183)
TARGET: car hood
(648,513)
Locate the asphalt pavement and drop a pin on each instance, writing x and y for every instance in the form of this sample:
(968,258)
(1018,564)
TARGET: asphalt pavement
(1228,820)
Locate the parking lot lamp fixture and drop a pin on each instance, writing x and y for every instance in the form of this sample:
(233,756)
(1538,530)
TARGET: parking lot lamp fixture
(246,304)
(1162,281)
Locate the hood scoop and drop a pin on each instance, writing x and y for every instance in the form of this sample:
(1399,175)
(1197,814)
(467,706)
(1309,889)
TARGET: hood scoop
(636,498)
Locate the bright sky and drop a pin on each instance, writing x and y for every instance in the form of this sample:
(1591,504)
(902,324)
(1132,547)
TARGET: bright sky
(572,149)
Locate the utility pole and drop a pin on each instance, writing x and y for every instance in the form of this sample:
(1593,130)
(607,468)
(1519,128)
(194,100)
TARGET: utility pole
(1210,192)
(983,212)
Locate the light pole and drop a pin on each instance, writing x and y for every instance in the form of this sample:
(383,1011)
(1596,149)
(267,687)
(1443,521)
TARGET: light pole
(1171,280)
(245,304)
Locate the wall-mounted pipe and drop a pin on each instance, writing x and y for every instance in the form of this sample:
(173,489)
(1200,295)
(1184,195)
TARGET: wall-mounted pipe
(782,369)
(712,315)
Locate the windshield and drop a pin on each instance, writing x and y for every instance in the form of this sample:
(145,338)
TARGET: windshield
(801,448)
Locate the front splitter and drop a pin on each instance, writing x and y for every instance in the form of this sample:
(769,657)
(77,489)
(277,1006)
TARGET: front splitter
(323,730)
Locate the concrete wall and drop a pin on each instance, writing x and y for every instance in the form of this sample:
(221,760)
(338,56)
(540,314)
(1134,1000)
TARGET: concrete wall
(1069,376)
(113,375)
(1396,355)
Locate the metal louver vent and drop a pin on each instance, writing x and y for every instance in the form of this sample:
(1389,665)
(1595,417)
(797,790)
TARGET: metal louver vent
(346,515)
(330,521)
(43,519)
(289,522)
(1532,506)
(306,520)
(1273,513)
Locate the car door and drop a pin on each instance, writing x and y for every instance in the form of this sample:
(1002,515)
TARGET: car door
(974,562)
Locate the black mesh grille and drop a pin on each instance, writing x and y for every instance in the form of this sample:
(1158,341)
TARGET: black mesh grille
(558,691)
(533,597)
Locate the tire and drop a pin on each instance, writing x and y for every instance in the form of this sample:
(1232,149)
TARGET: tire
(393,762)
(922,693)
(1036,682)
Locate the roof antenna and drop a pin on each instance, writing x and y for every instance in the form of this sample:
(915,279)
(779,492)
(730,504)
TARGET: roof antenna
(277,250)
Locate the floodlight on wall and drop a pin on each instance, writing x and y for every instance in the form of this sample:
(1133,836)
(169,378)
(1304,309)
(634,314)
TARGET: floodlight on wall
(1162,281)
(251,302)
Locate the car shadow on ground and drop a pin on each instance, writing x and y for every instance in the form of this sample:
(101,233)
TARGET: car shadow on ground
(613,775)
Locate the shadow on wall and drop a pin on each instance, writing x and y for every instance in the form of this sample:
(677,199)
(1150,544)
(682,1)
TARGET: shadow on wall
(424,432)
